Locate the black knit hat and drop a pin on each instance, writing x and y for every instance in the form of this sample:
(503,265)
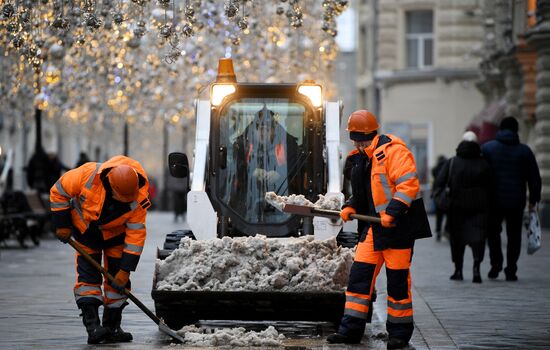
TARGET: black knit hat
(509,123)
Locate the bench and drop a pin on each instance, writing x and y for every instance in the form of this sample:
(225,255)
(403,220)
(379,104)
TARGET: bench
(22,215)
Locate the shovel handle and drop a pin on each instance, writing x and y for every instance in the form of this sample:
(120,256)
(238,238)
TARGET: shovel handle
(336,214)
(366,218)
(110,278)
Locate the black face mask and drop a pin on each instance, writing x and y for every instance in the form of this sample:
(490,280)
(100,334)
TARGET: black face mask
(360,136)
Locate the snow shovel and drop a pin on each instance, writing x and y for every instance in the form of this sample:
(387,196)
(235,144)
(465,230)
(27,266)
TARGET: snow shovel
(162,326)
(304,210)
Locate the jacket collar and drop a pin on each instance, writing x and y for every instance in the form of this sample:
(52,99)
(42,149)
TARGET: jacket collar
(507,137)
(381,141)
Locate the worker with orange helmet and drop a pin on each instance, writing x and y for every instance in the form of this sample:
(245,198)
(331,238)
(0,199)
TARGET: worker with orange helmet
(384,184)
(103,207)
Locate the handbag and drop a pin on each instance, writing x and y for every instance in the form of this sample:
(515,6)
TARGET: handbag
(442,197)
(532,225)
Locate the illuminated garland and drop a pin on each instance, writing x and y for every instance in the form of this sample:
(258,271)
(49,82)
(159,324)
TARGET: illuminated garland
(103,62)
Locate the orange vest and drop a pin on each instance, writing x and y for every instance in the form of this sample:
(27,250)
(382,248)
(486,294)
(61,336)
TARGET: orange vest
(82,191)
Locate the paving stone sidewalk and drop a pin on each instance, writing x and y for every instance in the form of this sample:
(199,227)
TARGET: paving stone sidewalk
(38,310)
(495,314)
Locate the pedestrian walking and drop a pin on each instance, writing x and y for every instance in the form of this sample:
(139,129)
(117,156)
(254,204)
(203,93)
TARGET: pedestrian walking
(470,179)
(82,159)
(515,169)
(178,188)
(439,212)
(103,206)
(384,184)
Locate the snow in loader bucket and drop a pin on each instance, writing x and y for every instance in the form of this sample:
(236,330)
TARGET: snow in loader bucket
(252,278)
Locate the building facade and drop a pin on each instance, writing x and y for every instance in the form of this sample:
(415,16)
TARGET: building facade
(418,62)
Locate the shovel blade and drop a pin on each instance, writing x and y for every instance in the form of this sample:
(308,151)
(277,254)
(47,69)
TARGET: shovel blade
(298,209)
(304,210)
(166,330)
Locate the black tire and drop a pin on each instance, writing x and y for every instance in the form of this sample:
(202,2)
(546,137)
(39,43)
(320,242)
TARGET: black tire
(347,239)
(163,254)
(170,246)
(173,239)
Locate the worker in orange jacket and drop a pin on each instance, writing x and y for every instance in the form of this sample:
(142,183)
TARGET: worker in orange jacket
(384,184)
(103,206)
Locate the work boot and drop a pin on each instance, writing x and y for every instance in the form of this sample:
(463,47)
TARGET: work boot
(477,274)
(396,343)
(90,318)
(111,320)
(337,338)
(457,276)
(493,273)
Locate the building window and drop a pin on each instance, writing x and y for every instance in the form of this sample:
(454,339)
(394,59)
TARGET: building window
(419,38)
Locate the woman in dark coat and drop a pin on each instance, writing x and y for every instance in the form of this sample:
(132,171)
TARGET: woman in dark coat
(439,213)
(468,217)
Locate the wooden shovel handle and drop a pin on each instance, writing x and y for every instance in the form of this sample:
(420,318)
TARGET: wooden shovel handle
(353,216)
(366,218)
(110,278)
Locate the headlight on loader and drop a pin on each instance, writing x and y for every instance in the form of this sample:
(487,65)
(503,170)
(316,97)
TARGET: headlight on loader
(219,91)
(313,92)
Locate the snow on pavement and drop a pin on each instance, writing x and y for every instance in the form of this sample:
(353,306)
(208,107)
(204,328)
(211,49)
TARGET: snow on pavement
(234,337)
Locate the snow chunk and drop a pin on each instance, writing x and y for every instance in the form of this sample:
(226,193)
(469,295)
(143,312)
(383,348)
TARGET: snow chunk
(256,264)
(234,337)
(330,202)
(279,201)
(333,201)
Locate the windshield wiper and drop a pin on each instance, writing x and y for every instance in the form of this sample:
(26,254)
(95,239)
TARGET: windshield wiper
(293,171)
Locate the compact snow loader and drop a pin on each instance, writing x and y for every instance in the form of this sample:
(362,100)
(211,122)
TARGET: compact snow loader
(252,139)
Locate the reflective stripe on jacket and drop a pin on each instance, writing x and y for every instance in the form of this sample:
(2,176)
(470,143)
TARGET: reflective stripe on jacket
(77,199)
(395,190)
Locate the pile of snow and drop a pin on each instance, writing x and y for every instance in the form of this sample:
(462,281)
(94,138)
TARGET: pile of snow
(331,201)
(234,337)
(256,264)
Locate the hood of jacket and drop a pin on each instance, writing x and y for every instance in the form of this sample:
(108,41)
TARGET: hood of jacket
(468,149)
(507,137)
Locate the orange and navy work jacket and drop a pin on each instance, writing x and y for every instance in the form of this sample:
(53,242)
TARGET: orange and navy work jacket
(77,200)
(394,185)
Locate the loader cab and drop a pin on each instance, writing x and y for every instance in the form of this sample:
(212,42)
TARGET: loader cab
(264,137)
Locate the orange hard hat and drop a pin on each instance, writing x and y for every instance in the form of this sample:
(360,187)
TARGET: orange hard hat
(362,121)
(124,182)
